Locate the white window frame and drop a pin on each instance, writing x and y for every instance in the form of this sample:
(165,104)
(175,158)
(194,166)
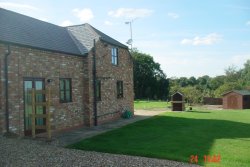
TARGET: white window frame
(114,56)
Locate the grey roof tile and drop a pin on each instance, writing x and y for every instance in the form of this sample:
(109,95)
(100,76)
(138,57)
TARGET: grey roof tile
(20,29)
(24,30)
(108,39)
(241,92)
(85,34)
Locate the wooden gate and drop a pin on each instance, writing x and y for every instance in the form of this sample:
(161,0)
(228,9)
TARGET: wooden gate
(46,104)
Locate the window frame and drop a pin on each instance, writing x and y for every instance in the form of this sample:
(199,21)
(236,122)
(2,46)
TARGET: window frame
(119,89)
(98,90)
(114,57)
(64,90)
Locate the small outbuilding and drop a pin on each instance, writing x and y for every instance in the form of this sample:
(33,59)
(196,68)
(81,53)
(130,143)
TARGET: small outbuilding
(178,102)
(236,99)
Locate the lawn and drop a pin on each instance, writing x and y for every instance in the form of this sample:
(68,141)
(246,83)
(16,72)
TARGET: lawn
(179,135)
(149,105)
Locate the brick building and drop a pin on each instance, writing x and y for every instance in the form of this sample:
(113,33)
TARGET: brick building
(40,55)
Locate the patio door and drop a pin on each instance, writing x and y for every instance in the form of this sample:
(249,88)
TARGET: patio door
(37,84)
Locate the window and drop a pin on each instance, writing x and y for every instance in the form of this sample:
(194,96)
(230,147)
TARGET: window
(114,55)
(98,90)
(119,86)
(65,90)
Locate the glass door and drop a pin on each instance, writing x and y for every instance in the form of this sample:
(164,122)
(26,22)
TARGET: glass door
(37,84)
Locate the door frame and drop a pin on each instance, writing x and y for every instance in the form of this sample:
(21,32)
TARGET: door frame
(33,79)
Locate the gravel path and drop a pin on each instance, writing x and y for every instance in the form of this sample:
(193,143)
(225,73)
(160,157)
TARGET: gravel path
(27,152)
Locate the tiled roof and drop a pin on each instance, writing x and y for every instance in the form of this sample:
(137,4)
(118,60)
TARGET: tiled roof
(84,37)
(85,34)
(108,39)
(23,30)
(241,92)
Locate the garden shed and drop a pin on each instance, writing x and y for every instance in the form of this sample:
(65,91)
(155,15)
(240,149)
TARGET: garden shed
(178,102)
(236,99)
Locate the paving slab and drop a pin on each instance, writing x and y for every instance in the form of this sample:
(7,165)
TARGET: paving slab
(73,136)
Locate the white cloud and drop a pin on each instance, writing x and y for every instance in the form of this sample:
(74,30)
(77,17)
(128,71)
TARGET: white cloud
(108,23)
(84,15)
(173,15)
(10,5)
(206,40)
(248,23)
(66,23)
(130,13)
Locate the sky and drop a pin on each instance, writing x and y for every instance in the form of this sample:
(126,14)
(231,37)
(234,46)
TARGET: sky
(187,37)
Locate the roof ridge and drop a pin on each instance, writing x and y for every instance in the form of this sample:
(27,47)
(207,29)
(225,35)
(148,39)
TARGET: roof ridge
(101,34)
(97,34)
(76,25)
(76,42)
(86,24)
(92,29)
(242,92)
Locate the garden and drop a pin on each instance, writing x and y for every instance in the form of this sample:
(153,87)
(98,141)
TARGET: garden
(201,136)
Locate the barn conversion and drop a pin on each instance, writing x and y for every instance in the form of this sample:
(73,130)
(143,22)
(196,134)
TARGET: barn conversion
(236,99)
(90,75)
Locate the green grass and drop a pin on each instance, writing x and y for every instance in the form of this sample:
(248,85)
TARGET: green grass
(178,135)
(149,105)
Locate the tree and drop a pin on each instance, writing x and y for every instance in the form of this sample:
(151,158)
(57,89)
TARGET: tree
(226,87)
(192,95)
(192,81)
(217,81)
(183,81)
(149,80)
(232,74)
(206,86)
(245,74)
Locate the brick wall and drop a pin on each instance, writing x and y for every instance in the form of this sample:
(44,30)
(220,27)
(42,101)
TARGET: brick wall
(110,107)
(25,62)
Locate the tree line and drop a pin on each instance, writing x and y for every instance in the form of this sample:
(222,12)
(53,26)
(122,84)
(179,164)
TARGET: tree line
(150,82)
(195,89)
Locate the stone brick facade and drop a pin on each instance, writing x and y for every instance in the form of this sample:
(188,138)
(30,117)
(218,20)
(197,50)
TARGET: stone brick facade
(33,63)
(110,107)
